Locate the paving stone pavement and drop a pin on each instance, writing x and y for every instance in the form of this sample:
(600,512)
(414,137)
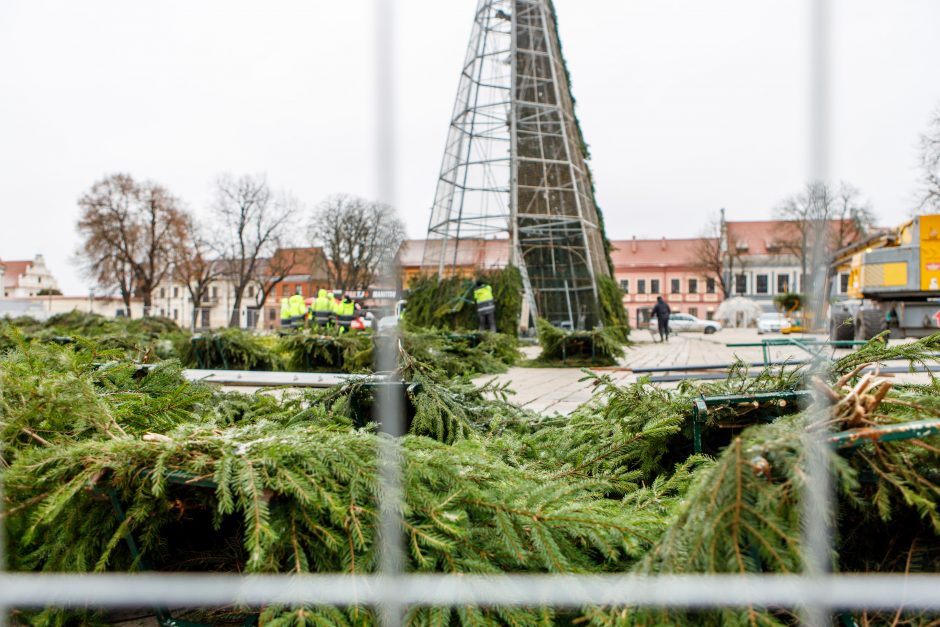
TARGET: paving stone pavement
(559,390)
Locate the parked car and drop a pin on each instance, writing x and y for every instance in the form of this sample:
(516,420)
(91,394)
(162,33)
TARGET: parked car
(687,323)
(771,323)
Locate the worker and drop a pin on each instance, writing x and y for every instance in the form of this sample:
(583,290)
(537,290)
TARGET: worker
(285,313)
(486,308)
(323,309)
(345,313)
(297,310)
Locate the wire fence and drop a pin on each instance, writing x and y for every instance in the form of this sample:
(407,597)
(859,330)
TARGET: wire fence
(815,594)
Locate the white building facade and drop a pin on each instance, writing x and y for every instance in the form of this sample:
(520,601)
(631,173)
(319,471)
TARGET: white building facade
(25,279)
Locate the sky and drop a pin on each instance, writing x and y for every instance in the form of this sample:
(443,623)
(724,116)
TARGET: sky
(688,106)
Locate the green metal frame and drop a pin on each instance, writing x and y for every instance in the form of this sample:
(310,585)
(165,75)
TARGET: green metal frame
(853,438)
(578,338)
(163,615)
(700,406)
(811,345)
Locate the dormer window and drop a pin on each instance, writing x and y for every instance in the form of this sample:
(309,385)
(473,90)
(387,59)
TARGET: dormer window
(741,245)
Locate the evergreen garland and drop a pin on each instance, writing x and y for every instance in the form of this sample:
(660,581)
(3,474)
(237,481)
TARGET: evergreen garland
(602,346)
(436,303)
(252,483)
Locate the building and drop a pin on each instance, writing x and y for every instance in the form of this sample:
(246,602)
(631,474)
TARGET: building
(761,262)
(647,268)
(25,279)
(472,255)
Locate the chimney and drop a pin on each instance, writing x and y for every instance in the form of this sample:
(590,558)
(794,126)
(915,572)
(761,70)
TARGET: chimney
(663,245)
(633,245)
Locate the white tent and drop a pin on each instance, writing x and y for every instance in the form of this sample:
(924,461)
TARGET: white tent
(739,312)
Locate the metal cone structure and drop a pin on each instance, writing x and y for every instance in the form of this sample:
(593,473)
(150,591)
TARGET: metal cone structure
(514,166)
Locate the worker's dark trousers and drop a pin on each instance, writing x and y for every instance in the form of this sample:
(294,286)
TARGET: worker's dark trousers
(663,329)
(487,320)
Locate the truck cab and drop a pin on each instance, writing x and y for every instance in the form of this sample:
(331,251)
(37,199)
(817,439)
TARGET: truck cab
(894,284)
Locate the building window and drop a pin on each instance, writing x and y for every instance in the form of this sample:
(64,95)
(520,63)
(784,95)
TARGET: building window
(215,292)
(272,314)
(251,291)
(740,283)
(641,286)
(843,283)
(176,292)
(693,286)
(654,286)
(162,292)
(693,311)
(709,315)
(176,314)
(762,284)
(674,287)
(709,286)
(783,283)
(625,285)
(643,316)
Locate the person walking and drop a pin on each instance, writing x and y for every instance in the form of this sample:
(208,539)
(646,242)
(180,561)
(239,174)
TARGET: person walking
(486,307)
(661,312)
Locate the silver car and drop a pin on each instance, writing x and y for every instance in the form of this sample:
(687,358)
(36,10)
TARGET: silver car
(687,323)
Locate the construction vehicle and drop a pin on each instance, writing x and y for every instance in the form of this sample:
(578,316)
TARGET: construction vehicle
(893,283)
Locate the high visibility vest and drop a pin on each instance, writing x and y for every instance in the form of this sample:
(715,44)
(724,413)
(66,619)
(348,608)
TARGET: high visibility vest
(345,312)
(297,307)
(285,311)
(483,296)
(322,307)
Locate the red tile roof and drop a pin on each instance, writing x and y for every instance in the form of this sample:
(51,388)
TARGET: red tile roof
(633,253)
(759,236)
(14,270)
(477,253)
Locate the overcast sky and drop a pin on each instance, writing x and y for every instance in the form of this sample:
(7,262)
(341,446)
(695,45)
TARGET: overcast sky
(688,105)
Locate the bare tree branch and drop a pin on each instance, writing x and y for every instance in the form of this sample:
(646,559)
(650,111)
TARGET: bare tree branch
(357,238)
(129,233)
(194,265)
(252,223)
(930,163)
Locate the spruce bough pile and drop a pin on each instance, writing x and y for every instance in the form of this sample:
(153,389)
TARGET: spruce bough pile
(436,303)
(290,484)
(603,345)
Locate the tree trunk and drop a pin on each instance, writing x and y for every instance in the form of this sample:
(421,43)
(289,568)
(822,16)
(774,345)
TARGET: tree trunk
(234,321)
(126,297)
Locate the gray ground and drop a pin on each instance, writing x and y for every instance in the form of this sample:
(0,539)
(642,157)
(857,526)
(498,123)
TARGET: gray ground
(559,390)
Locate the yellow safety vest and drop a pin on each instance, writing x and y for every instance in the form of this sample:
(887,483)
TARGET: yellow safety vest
(285,309)
(322,303)
(483,294)
(297,306)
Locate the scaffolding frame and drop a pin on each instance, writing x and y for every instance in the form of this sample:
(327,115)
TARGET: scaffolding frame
(515,166)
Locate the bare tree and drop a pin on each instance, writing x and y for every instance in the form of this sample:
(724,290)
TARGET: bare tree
(252,223)
(272,271)
(820,221)
(930,162)
(194,265)
(129,232)
(357,237)
(715,259)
